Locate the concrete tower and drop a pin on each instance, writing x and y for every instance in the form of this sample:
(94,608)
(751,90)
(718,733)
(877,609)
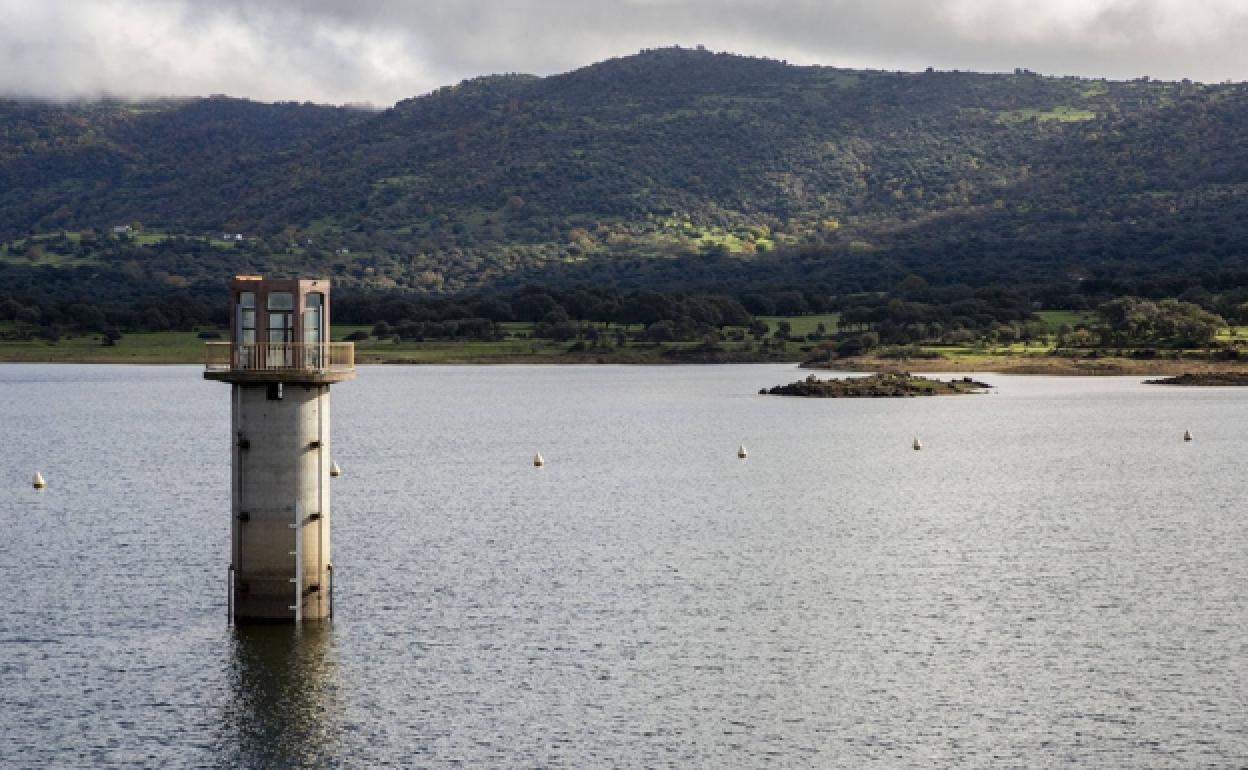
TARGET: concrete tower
(280,365)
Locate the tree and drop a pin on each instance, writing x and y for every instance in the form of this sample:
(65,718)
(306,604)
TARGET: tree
(912,287)
(27,319)
(155,320)
(661,331)
(758,304)
(1135,321)
(791,303)
(85,318)
(561,331)
(556,316)
(495,310)
(534,306)
(859,344)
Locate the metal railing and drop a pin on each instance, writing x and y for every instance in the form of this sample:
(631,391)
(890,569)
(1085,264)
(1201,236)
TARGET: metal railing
(280,356)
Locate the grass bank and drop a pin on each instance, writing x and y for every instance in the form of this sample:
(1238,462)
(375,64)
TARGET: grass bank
(518,345)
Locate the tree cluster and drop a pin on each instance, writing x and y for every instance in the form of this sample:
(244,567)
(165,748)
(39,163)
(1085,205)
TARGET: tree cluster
(914,312)
(1169,323)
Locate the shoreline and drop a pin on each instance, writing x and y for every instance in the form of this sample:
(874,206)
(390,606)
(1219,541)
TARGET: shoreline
(998,364)
(1108,366)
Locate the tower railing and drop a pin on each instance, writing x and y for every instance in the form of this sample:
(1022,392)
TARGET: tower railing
(280,357)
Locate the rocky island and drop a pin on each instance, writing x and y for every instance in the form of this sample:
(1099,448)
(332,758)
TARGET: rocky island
(1203,378)
(883,385)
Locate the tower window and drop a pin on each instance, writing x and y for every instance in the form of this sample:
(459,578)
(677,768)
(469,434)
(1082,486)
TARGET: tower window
(247,318)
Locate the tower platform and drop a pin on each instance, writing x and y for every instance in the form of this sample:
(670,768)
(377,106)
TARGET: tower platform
(322,363)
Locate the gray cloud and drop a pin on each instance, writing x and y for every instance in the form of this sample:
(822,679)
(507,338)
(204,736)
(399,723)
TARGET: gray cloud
(384,50)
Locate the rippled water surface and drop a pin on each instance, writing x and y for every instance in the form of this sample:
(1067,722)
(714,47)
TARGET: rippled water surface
(1056,579)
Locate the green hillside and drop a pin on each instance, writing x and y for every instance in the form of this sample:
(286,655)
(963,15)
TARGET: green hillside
(671,168)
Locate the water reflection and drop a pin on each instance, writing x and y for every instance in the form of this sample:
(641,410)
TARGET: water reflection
(284,706)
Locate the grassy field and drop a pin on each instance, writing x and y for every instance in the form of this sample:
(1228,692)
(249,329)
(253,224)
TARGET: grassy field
(1055,318)
(520,346)
(136,348)
(1061,114)
(804,324)
(187,348)
(450,351)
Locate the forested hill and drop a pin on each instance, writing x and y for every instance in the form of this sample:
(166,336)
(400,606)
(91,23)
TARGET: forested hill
(88,165)
(672,167)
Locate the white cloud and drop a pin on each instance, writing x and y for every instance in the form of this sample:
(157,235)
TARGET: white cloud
(385,50)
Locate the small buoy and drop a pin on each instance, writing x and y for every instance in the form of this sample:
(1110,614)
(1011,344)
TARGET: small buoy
(917,444)
(741,452)
(334,470)
(538,460)
(38,481)
(1187,435)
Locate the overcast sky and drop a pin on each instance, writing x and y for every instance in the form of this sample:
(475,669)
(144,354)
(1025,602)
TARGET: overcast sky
(380,51)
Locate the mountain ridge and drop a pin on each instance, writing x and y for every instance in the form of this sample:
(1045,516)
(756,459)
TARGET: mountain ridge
(672,162)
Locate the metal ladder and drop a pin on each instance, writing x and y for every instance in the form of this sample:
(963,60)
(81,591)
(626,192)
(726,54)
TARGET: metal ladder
(297,527)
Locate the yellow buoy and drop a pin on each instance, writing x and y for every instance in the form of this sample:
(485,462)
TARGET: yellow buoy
(38,481)
(538,460)
(917,444)
(741,452)
(1187,435)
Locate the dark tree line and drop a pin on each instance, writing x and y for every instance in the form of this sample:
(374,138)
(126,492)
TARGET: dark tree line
(556,314)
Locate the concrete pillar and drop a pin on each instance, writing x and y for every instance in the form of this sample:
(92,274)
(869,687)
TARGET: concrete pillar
(281,460)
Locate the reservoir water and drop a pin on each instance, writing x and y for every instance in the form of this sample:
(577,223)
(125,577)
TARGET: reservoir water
(1057,578)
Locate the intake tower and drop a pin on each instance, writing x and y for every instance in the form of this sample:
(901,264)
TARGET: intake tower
(280,364)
